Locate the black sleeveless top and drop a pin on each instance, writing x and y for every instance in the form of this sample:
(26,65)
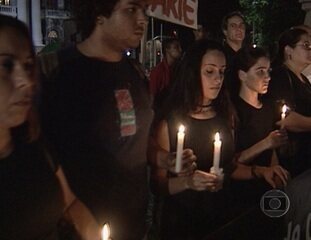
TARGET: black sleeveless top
(199,136)
(197,207)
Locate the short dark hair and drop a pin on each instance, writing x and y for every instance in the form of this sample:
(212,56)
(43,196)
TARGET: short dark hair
(245,58)
(248,56)
(86,13)
(224,23)
(28,131)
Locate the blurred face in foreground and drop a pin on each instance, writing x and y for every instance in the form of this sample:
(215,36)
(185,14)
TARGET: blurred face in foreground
(16,77)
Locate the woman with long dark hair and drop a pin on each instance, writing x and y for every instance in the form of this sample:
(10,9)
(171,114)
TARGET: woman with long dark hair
(199,102)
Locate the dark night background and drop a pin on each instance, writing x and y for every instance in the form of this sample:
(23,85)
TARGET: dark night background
(210,13)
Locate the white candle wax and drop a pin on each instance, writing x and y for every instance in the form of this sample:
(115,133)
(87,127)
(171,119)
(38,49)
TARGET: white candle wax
(106,232)
(283,115)
(217,149)
(180,145)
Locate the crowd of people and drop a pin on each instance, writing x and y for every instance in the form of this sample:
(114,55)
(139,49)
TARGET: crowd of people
(85,136)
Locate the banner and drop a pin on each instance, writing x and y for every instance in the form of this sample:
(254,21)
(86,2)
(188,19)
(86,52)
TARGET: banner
(182,12)
(298,218)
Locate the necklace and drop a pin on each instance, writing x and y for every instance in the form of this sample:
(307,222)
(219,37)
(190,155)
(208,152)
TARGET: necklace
(204,108)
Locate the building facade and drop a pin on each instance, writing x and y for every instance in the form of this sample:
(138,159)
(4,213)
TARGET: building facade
(49,21)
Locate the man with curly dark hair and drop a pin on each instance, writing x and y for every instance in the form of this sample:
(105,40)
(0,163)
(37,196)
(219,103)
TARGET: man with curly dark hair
(97,113)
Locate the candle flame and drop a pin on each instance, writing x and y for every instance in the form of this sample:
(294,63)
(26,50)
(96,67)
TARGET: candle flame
(217,137)
(106,232)
(181,128)
(284,108)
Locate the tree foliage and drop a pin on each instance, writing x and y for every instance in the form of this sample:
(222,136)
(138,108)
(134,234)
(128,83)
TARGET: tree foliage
(254,11)
(269,18)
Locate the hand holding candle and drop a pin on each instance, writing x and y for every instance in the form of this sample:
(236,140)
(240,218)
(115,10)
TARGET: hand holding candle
(217,150)
(283,115)
(106,232)
(180,146)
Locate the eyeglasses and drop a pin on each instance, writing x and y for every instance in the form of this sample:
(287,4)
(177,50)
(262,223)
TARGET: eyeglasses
(306,45)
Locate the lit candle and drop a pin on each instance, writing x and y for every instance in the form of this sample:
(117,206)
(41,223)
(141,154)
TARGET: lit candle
(106,232)
(217,148)
(180,145)
(283,115)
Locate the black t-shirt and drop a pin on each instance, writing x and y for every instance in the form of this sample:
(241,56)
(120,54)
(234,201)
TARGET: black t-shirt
(285,86)
(254,125)
(30,200)
(230,54)
(230,82)
(98,119)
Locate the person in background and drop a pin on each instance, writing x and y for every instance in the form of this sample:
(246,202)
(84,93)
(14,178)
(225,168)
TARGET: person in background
(97,111)
(256,135)
(161,75)
(34,192)
(200,33)
(289,86)
(233,27)
(199,102)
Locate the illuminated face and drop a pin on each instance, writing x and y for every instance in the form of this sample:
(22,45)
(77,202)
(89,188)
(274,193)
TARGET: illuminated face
(212,74)
(235,31)
(126,25)
(16,78)
(257,78)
